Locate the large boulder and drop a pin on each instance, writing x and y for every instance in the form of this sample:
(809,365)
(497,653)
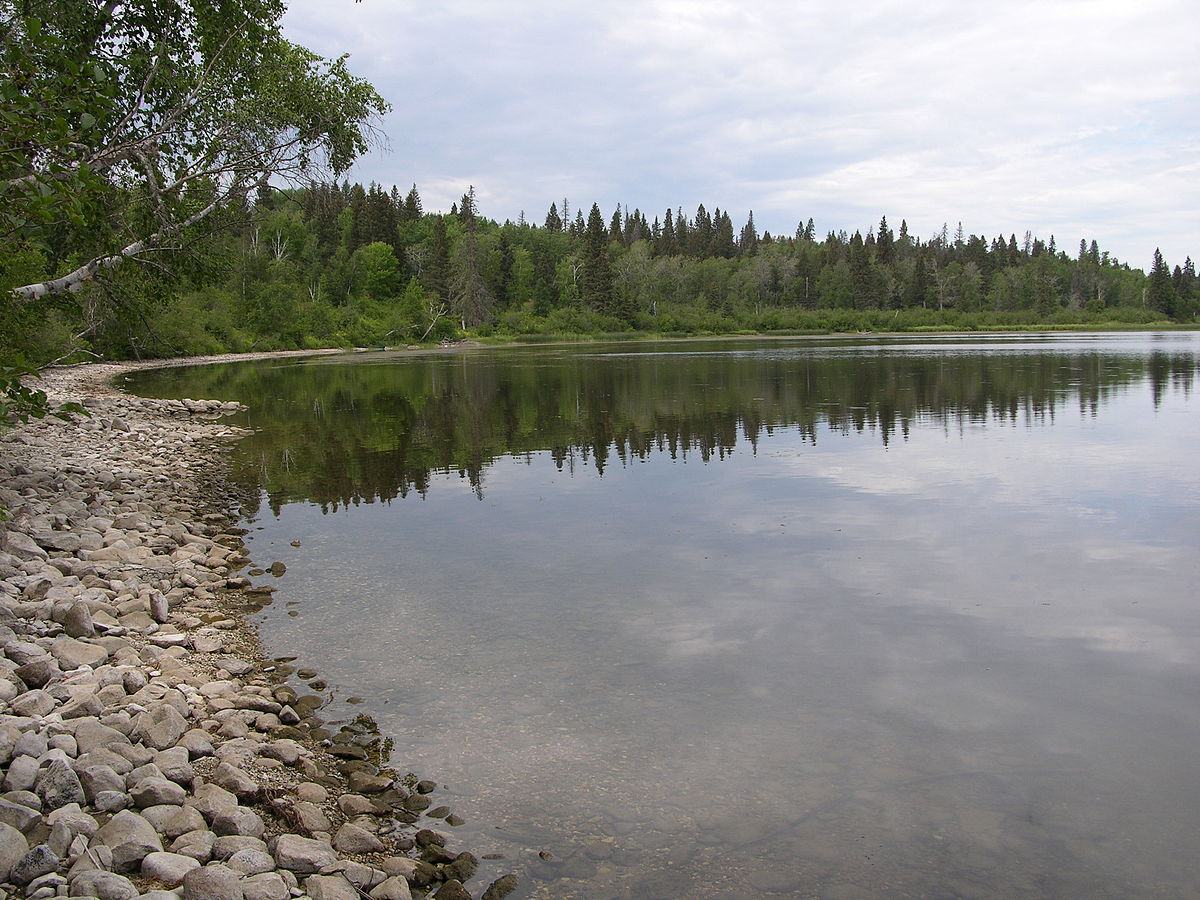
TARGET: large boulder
(304,856)
(160,727)
(58,785)
(213,882)
(13,848)
(130,837)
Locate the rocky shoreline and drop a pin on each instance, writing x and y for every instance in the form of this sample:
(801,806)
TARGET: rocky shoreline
(147,748)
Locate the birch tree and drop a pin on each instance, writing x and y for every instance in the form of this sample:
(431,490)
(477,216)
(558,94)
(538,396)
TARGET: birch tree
(125,125)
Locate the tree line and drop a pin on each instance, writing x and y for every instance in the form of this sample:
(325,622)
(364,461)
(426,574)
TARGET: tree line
(352,265)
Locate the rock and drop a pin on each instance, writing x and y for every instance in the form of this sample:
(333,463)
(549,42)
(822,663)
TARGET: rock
(311,817)
(91,734)
(356,805)
(39,861)
(211,799)
(501,887)
(33,703)
(311,792)
(111,801)
(78,622)
(13,848)
(366,783)
(251,862)
(49,885)
(103,885)
(212,882)
(197,742)
(197,844)
(302,855)
(160,609)
(462,868)
(393,888)
(18,816)
(131,838)
(22,546)
(352,840)
(175,764)
(22,652)
(239,820)
(160,727)
(416,872)
(39,672)
(87,706)
(100,778)
(168,868)
(229,844)
(58,785)
(235,780)
(71,653)
(265,886)
(75,820)
(157,791)
(22,774)
(330,887)
(181,821)
(452,890)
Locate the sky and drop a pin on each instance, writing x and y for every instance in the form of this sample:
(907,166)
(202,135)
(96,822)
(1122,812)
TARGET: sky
(1071,118)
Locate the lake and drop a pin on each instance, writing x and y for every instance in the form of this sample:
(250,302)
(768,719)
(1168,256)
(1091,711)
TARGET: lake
(837,618)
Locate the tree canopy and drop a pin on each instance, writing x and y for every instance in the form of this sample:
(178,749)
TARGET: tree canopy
(130,124)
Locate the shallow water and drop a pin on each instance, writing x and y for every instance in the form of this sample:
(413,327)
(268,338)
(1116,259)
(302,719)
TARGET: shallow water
(758,618)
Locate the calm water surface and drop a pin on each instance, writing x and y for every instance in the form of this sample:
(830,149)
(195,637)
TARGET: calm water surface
(743,619)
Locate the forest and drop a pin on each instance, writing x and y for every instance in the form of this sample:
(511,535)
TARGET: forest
(344,265)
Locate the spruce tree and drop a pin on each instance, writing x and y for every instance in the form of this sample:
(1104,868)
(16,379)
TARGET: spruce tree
(1160,293)
(597,275)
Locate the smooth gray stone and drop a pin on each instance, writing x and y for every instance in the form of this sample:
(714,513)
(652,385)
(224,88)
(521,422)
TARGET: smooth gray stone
(91,734)
(265,886)
(238,821)
(330,887)
(213,882)
(160,727)
(18,816)
(22,774)
(103,885)
(131,837)
(157,792)
(168,868)
(302,855)
(97,778)
(13,848)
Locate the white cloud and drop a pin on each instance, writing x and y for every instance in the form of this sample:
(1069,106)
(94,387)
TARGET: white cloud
(1071,118)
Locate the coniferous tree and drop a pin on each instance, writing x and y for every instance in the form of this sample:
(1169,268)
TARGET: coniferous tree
(412,205)
(615,228)
(436,275)
(553,222)
(1160,293)
(467,210)
(597,274)
(667,244)
(884,251)
(748,239)
(722,239)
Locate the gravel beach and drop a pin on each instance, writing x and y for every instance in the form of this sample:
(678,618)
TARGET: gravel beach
(147,747)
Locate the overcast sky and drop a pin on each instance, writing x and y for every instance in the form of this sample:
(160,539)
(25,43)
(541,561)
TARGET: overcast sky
(1072,118)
